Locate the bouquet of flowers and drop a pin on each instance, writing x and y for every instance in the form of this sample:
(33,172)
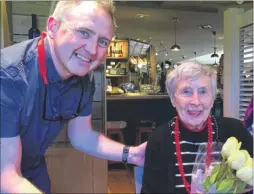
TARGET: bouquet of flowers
(230,169)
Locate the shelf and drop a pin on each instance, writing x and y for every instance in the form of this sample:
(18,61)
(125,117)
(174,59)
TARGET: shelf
(108,75)
(117,58)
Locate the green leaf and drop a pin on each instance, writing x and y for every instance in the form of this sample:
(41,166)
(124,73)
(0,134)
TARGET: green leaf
(230,174)
(206,184)
(223,174)
(213,177)
(223,168)
(225,186)
(216,169)
(239,187)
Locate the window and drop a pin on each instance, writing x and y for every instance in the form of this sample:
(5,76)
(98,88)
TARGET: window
(246,68)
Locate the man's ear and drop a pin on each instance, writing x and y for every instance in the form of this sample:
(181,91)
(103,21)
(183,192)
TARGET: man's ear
(52,26)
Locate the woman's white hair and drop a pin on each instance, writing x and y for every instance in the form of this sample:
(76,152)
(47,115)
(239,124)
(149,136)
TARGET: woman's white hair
(61,8)
(192,70)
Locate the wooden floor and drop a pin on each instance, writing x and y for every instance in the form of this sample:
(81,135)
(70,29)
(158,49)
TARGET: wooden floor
(120,181)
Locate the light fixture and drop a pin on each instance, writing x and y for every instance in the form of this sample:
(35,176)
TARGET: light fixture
(139,65)
(214,55)
(203,27)
(215,63)
(195,55)
(175,47)
(239,2)
(166,66)
(142,16)
(150,40)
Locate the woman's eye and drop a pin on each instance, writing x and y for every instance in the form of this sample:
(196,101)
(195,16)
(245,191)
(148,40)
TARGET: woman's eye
(103,43)
(187,92)
(202,91)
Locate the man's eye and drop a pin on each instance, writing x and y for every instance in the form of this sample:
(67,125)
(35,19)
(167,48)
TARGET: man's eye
(103,43)
(84,33)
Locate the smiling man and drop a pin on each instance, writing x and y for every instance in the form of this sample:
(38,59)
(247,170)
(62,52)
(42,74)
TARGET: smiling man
(45,84)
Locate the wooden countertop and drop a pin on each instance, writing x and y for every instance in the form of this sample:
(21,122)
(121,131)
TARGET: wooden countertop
(135,96)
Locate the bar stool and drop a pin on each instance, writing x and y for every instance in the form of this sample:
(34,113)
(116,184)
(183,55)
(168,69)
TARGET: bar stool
(140,132)
(144,130)
(116,128)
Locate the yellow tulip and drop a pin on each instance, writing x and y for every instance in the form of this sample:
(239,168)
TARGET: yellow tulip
(237,159)
(246,154)
(230,146)
(245,173)
(249,162)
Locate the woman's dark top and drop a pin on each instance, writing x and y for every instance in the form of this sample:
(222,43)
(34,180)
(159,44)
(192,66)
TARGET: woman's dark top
(161,174)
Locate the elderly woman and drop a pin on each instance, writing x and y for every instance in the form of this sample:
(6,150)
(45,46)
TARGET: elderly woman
(172,147)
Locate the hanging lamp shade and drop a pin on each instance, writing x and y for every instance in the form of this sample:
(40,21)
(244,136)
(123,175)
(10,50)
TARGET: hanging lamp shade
(175,47)
(214,55)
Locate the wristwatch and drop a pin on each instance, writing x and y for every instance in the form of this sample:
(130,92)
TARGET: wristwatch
(125,154)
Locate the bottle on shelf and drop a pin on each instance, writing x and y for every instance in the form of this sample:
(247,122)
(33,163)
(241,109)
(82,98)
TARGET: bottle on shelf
(121,51)
(110,52)
(34,31)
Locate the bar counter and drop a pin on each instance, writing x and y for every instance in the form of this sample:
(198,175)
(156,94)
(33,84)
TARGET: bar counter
(136,96)
(134,107)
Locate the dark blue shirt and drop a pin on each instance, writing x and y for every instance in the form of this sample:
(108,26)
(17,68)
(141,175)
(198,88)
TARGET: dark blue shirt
(22,97)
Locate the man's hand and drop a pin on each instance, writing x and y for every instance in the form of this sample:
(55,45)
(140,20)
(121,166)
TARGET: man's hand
(137,155)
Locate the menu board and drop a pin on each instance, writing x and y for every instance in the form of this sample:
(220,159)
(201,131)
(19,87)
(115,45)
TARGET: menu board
(137,48)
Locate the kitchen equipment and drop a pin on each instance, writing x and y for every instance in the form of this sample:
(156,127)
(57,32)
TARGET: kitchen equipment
(127,87)
(117,71)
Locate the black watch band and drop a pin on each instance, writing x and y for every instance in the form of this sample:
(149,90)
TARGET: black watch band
(125,154)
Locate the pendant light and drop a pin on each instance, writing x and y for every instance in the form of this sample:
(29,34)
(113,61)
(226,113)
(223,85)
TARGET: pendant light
(214,54)
(215,63)
(175,47)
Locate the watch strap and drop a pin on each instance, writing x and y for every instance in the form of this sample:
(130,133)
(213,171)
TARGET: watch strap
(125,154)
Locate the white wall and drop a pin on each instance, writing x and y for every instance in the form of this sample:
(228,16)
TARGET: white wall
(206,59)
(233,19)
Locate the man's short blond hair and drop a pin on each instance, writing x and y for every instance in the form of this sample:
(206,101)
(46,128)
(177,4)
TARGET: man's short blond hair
(60,8)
